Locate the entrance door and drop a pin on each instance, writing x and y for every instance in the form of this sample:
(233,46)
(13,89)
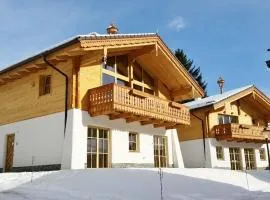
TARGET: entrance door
(98,148)
(235,158)
(9,152)
(250,159)
(160,151)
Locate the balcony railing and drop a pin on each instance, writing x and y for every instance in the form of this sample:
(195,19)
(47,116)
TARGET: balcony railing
(240,132)
(123,102)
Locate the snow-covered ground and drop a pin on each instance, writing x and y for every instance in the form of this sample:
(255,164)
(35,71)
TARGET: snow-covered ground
(135,184)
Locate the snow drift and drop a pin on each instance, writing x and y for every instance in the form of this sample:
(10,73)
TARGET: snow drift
(135,184)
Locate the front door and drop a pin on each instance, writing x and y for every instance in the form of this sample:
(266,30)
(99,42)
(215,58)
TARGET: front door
(250,159)
(9,152)
(98,148)
(160,151)
(235,158)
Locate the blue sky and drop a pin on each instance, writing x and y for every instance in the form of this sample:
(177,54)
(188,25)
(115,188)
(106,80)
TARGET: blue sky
(225,38)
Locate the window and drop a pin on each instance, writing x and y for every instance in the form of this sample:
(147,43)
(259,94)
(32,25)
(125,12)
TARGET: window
(250,159)
(133,142)
(220,153)
(44,85)
(116,70)
(160,151)
(262,154)
(235,159)
(142,80)
(227,119)
(98,148)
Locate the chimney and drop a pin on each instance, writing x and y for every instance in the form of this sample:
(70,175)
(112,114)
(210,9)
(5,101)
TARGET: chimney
(220,83)
(112,29)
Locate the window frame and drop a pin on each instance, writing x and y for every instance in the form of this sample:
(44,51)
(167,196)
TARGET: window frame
(44,85)
(113,72)
(262,150)
(229,116)
(220,152)
(137,142)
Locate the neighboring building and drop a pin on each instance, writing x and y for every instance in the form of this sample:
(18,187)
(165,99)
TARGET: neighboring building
(120,109)
(227,130)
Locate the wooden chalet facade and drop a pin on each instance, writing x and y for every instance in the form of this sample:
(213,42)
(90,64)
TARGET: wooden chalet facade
(97,100)
(228,130)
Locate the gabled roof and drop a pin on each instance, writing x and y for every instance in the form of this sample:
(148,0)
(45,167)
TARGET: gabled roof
(211,100)
(179,85)
(72,40)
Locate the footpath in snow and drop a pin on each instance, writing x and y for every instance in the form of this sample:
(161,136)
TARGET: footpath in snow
(136,184)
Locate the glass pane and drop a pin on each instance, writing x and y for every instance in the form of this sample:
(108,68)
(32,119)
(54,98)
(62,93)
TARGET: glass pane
(226,119)
(91,160)
(137,87)
(220,119)
(110,64)
(122,82)
(100,146)
(105,145)
(147,79)
(105,164)
(122,65)
(137,72)
(93,145)
(149,91)
(101,161)
(107,79)
(101,133)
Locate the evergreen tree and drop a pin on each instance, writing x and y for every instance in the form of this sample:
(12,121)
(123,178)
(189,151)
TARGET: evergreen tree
(191,68)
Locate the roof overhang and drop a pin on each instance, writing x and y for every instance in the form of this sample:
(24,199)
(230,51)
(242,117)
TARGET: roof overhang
(144,47)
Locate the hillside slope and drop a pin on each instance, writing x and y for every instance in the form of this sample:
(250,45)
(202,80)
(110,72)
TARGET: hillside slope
(135,184)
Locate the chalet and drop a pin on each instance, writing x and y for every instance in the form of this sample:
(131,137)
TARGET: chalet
(229,130)
(95,101)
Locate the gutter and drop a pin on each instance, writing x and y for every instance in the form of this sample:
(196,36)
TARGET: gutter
(203,135)
(66,87)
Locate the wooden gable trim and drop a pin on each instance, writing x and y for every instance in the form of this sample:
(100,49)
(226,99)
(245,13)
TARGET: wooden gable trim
(250,91)
(233,98)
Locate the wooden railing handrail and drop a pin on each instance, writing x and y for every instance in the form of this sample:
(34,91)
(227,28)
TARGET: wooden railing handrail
(120,98)
(239,130)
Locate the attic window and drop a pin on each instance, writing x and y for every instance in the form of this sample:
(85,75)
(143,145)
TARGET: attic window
(44,85)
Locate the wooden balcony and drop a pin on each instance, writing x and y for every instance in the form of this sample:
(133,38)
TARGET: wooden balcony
(123,102)
(240,133)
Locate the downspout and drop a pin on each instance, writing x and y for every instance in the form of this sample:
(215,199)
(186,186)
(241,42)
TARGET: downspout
(203,135)
(66,89)
(268,154)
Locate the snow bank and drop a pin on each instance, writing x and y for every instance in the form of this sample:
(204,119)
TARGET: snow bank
(135,184)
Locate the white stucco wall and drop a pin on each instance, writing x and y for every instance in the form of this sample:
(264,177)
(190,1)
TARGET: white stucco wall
(192,152)
(119,141)
(40,138)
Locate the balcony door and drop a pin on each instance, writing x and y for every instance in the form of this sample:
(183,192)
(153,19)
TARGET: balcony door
(98,148)
(235,158)
(160,151)
(250,159)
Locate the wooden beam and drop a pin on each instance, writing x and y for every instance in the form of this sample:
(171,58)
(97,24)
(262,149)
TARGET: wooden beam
(151,122)
(166,124)
(137,53)
(118,116)
(137,118)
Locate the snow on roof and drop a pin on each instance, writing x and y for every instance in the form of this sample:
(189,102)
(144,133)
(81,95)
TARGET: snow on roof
(93,35)
(215,98)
